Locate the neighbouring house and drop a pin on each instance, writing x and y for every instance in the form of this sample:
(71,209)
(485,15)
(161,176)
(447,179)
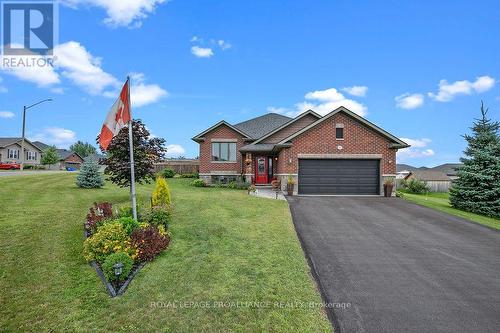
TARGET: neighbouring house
(437,181)
(449,169)
(339,153)
(67,158)
(10,151)
(97,158)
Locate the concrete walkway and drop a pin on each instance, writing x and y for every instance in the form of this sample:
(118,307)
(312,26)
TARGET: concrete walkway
(268,192)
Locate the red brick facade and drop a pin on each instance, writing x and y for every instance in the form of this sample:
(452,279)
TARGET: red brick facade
(207,166)
(291,129)
(358,139)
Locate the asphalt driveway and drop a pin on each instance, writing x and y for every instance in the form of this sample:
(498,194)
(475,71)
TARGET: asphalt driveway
(399,267)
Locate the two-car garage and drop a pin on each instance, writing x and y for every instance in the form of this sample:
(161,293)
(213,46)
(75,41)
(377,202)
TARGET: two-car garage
(339,176)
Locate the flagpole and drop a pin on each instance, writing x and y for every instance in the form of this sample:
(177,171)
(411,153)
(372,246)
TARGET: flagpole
(131,149)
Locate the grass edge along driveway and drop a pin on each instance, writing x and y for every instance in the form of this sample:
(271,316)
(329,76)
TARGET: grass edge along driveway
(441,202)
(227,247)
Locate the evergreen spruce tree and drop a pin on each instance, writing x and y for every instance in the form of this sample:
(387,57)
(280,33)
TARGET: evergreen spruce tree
(477,188)
(89,176)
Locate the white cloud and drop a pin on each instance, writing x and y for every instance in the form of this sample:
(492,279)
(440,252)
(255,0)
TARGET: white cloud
(419,148)
(448,91)
(175,150)
(224,45)
(322,102)
(195,39)
(143,94)
(81,67)
(359,91)
(42,76)
(121,12)
(202,52)
(409,101)
(60,137)
(6,114)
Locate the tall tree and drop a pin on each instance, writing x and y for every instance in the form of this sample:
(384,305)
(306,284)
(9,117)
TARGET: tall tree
(146,152)
(50,156)
(477,188)
(83,149)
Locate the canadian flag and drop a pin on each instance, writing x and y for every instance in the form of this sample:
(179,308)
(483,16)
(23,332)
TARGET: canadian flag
(117,118)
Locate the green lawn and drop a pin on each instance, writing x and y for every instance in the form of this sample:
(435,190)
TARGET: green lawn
(226,247)
(440,201)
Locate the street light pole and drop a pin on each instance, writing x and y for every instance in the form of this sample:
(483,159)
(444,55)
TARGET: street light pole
(24,128)
(22,141)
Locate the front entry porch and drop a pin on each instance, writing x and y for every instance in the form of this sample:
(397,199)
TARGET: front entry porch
(260,168)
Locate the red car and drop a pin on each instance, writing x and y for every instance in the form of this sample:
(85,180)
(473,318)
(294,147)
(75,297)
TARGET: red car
(9,166)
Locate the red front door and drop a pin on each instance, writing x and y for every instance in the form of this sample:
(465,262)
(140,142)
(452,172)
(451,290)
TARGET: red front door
(261,170)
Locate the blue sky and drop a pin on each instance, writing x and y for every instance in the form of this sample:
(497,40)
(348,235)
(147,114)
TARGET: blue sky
(419,68)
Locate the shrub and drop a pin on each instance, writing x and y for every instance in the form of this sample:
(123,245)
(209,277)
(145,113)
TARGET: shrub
(237,185)
(198,183)
(89,176)
(109,238)
(159,215)
(415,186)
(161,194)
(149,243)
(111,260)
(97,215)
(127,212)
(168,173)
(189,175)
(128,223)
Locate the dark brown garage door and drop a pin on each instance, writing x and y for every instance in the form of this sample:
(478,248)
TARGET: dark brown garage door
(340,176)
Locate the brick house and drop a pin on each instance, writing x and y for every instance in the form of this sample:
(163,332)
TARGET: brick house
(339,153)
(67,158)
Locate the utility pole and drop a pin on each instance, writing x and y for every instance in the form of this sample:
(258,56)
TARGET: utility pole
(22,141)
(23,155)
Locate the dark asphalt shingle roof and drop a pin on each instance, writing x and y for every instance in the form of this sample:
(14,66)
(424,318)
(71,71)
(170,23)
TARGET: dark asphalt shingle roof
(8,141)
(63,153)
(94,157)
(448,168)
(260,126)
(260,147)
(41,145)
(428,175)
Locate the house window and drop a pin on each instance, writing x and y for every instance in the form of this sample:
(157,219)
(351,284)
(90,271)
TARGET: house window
(339,133)
(224,151)
(31,155)
(13,153)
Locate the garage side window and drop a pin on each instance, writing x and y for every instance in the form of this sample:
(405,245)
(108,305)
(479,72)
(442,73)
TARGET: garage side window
(339,131)
(224,151)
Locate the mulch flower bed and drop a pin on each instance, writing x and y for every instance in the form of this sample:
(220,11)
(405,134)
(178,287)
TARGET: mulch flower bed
(118,246)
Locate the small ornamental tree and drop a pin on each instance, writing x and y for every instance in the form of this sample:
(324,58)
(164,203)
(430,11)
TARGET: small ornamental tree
(50,156)
(83,149)
(161,193)
(477,188)
(147,151)
(89,176)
